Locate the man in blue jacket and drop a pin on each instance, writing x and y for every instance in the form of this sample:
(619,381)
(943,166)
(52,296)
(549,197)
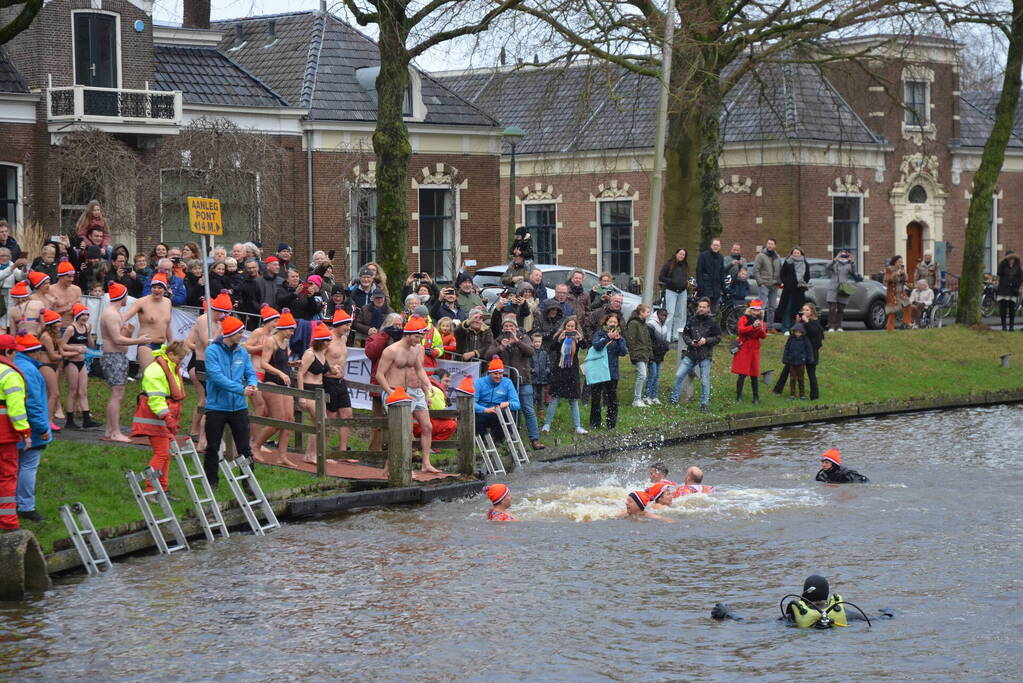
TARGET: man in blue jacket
(492,392)
(230,379)
(28,359)
(177,291)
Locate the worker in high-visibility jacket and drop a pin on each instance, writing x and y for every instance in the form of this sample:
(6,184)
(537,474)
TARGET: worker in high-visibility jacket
(14,428)
(159,406)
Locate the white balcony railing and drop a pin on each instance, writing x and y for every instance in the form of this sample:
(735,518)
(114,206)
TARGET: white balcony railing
(113,105)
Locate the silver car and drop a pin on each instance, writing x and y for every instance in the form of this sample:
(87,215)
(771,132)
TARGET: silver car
(866,304)
(488,281)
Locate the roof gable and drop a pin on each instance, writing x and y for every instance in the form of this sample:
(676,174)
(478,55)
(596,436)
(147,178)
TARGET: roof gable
(11,79)
(206,76)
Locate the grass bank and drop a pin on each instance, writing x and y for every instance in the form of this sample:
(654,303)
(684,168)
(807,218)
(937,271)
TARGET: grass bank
(860,367)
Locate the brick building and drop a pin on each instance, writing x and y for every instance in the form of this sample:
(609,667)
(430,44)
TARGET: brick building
(304,81)
(824,157)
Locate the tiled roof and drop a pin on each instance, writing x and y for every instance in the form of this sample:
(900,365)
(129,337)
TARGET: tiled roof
(10,77)
(976,116)
(311,59)
(206,76)
(590,106)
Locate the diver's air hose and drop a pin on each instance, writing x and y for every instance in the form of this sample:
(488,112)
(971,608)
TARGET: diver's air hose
(781,606)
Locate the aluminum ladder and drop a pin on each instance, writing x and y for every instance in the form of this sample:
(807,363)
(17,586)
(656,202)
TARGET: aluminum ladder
(227,468)
(143,498)
(511,436)
(491,457)
(83,535)
(188,461)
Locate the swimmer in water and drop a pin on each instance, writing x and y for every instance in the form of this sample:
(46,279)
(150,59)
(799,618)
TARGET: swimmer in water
(658,475)
(693,483)
(832,472)
(815,608)
(636,504)
(500,500)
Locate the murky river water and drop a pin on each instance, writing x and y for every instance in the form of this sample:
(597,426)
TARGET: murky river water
(437,593)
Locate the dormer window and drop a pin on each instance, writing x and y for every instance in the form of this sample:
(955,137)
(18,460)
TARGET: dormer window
(407,107)
(412,106)
(917,102)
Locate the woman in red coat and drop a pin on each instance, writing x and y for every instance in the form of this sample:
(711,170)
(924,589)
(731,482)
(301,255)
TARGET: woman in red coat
(746,361)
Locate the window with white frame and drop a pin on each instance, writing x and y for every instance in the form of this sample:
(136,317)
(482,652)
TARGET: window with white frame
(846,225)
(991,243)
(616,237)
(541,221)
(917,102)
(9,194)
(363,226)
(437,232)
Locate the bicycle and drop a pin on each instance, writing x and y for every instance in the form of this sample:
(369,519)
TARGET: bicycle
(945,306)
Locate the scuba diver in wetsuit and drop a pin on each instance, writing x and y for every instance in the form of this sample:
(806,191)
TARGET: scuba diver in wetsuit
(832,472)
(813,609)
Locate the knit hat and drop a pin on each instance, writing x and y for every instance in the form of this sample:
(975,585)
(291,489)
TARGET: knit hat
(398,396)
(462,277)
(341,317)
(20,290)
(377,293)
(268,313)
(496,492)
(271,259)
(756,304)
(496,365)
(287,320)
(50,317)
(92,251)
(834,455)
(466,386)
(28,343)
(816,588)
(116,290)
(159,279)
(366,272)
(640,498)
(321,332)
(657,489)
(316,280)
(221,303)
(79,310)
(422,311)
(37,279)
(282,246)
(523,287)
(415,325)
(65,268)
(231,326)
(8,343)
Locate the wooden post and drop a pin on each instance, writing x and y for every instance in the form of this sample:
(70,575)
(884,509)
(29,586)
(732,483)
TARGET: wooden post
(466,434)
(298,418)
(399,447)
(321,433)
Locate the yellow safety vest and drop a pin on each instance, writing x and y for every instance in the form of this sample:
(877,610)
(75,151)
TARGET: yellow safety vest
(12,397)
(808,616)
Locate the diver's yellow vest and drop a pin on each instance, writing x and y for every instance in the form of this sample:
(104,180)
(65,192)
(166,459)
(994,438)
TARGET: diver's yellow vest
(808,616)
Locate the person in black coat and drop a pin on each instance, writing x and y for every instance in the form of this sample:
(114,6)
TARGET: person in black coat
(795,281)
(832,471)
(815,334)
(710,274)
(1010,278)
(797,354)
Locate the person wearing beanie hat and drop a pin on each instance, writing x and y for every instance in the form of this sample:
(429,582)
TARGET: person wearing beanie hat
(370,318)
(746,358)
(254,346)
(65,292)
(29,359)
(154,312)
(833,472)
(198,341)
(797,354)
(114,361)
(14,429)
(24,314)
(339,402)
(401,365)
(77,338)
(637,504)
(494,392)
(433,341)
(275,356)
(230,379)
(159,406)
(500,500)
(310,378)
(468,298)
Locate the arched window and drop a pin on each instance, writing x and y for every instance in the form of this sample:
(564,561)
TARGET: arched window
(918,195)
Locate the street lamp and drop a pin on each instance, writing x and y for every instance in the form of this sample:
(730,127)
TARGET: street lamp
(512,135)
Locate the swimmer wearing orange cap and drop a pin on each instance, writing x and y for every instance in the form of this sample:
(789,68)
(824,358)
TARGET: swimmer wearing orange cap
(500,498)
(637,504)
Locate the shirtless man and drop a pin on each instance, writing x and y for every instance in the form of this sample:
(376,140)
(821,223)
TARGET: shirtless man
(401,365)
(65,293)
(198,340)
(339,403)
(154,312)
(116,340)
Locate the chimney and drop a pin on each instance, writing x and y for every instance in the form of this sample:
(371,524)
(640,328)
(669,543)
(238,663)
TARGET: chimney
(196,14)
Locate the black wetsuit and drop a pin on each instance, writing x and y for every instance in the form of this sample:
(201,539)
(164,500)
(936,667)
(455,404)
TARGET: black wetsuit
(840,475)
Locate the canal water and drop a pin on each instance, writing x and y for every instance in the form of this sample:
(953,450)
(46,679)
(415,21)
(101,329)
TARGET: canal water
(435,593)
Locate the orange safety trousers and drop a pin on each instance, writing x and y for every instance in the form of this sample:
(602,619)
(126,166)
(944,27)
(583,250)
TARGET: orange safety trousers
(161,458)
(8,485)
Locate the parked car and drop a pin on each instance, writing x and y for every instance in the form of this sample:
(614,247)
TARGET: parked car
(488,281)
(866,304)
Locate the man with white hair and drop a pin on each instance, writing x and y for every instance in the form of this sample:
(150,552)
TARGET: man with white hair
(177,292)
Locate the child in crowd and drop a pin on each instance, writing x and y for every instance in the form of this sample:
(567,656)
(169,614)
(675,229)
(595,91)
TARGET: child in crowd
(658,325)
(500,500)
(447,334)
(798,353)
(921,298)
(540,368)
(740,288)
(97,290)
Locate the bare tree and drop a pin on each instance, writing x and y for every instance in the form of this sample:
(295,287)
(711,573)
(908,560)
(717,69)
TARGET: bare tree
(14,21)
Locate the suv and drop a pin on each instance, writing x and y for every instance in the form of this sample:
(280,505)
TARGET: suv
(866,304)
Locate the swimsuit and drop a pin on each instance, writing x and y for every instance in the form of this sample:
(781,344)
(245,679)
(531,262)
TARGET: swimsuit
(495,515)
(155,345)
(115,368)
(278,361)
(337,393)
(79,338)
(315,368)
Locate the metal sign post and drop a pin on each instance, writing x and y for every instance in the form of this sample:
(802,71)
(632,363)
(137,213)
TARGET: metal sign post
(204,219)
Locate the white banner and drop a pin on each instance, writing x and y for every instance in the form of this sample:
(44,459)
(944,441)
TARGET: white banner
(181,321)
(358,369)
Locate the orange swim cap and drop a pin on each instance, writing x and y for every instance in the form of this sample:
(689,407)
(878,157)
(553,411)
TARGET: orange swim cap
(496,492)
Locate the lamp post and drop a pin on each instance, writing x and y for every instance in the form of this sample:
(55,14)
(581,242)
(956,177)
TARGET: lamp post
(512,135)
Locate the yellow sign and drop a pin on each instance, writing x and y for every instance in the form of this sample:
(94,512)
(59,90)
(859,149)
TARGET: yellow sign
(204,216)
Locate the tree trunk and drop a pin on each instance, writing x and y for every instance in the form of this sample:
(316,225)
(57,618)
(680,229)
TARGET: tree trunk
(710,155)
(393,150)
(971,282)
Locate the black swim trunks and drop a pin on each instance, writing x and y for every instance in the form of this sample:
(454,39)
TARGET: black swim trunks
(194,364)
(337,394)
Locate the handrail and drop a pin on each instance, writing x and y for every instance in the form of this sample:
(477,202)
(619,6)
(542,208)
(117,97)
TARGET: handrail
(80,102)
